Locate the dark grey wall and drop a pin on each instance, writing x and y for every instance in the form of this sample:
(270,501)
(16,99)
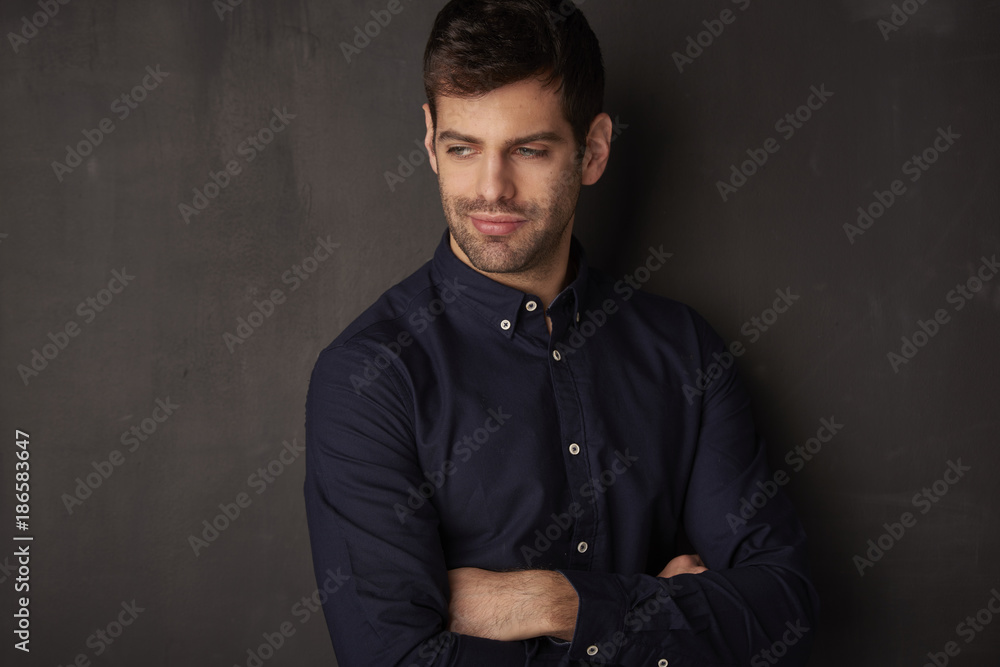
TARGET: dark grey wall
(162,336)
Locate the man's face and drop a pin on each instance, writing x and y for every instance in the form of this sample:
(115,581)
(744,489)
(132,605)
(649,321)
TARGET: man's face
(506,171)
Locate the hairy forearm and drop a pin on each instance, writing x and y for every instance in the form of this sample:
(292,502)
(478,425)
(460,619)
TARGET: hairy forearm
(511,606)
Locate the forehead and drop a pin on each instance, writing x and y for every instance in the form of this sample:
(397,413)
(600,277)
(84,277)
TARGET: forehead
(517,109)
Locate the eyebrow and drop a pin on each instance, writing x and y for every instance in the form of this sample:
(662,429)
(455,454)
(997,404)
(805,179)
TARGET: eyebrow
(547,136)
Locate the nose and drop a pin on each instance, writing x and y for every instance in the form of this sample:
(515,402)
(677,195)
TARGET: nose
(495,179)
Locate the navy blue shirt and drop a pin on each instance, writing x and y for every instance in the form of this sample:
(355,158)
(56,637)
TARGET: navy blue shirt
(446,428)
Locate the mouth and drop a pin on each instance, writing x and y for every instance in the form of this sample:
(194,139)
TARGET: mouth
(496,225)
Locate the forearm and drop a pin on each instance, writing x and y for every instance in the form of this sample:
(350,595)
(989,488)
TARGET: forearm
(510,606)
(529,603)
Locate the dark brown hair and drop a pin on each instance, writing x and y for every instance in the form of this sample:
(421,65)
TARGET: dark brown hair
(477,46)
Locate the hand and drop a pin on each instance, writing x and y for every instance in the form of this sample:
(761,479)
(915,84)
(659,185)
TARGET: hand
(683,564)
(510,606)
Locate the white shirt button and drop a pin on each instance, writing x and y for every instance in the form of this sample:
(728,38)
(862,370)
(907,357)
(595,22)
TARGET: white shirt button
(662,663)
(531,305)
(592,650)
(574,449)
(505,325)
(581,547)
(556,355)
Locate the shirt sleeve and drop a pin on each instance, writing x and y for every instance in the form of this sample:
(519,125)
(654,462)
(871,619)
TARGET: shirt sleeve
(756,603)
(392,608)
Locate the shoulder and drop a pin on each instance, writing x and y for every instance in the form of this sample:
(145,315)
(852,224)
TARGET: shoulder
(383,324)
(400,311)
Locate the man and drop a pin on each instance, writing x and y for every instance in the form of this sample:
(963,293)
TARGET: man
(505,451)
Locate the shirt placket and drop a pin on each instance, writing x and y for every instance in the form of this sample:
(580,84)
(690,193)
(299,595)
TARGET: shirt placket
(581,539)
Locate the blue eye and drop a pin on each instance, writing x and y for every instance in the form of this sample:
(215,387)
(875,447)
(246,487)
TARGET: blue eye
(523,151)
(459,151)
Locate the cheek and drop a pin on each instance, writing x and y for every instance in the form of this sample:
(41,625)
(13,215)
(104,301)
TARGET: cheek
(564,176)
(546,183)
(456,182)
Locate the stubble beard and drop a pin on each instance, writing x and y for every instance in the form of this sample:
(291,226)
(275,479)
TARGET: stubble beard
(530,247)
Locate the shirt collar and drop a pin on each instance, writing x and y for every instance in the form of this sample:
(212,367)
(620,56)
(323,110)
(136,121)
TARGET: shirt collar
(496,302)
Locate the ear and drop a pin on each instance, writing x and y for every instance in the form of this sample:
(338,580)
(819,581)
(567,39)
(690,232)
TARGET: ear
(429,138)
(595,159)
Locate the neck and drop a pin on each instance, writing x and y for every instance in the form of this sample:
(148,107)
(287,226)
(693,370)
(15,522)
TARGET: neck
(544,281)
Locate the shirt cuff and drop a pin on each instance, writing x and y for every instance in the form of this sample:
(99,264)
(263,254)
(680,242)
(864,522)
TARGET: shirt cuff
(488,652)
(600,620)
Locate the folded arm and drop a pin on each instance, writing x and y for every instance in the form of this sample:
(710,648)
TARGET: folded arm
(510,606)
